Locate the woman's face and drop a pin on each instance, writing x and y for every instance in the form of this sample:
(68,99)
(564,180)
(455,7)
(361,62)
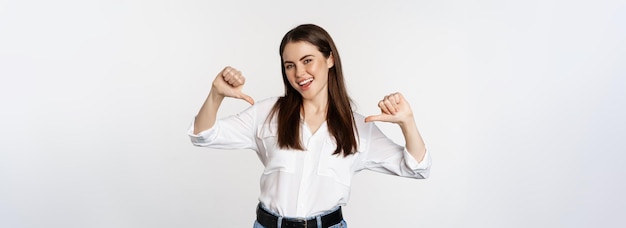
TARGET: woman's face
(307,69)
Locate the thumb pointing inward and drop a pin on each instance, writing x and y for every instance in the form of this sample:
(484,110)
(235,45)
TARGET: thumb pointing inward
(246,98)
(372,118)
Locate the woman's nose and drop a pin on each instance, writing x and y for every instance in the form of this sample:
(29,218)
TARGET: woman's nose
(300,71)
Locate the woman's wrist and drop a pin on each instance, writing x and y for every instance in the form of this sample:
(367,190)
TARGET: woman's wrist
(408,122)
(215,96)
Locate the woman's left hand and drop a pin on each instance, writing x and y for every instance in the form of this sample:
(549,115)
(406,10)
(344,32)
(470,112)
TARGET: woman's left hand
(394,108)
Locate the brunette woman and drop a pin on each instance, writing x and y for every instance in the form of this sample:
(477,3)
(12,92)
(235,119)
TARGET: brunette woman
(310,140)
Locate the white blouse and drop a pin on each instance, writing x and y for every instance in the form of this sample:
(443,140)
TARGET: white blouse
(306,183)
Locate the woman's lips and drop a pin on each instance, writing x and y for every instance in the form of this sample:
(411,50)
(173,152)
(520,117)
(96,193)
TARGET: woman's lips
(302,83)
(305,84)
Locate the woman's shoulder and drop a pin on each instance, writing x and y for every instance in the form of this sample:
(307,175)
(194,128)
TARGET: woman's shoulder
(266,102)
(264,106)
(358,117)
(359,120)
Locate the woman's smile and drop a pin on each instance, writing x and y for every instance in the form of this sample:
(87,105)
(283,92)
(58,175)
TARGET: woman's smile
(306,83)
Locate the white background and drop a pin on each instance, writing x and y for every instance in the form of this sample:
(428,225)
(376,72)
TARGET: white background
(521,103)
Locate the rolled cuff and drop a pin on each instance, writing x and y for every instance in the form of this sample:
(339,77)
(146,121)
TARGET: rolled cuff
(422,168)
(202,138)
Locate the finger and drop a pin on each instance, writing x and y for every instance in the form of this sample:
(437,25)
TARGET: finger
(246,98)
(383,107)
(241,80)
(233,77)
(226,70)
(238,80)
(395,98)
(226,74)
(399,95)
(382,118)
(390,106)
(235,83)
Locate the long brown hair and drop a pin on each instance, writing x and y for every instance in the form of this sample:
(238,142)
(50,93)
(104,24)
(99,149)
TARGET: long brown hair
(339,117)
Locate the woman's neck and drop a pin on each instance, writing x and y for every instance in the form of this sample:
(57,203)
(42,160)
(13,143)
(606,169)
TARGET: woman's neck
(315,106)
(314,114)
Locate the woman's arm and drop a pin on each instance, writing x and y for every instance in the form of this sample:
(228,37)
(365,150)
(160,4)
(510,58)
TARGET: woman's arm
(228,83)
(414,143)
(395,109)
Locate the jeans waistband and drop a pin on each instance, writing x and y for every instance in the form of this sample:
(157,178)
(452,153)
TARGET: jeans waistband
(269,220)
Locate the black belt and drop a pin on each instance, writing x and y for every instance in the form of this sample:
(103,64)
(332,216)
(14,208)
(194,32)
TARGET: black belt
(269,220)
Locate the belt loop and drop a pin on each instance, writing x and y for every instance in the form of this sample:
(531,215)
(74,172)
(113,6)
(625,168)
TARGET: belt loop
(280,222)
(319,221)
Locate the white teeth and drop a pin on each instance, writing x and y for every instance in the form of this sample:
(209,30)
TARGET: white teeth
(305,81)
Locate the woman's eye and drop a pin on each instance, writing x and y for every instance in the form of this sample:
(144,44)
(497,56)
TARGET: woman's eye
(307,61)
(288,66)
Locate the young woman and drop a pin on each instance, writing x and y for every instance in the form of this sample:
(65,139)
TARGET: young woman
(309,140)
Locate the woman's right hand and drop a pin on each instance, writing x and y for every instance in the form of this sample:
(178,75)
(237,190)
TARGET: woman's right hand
(229,83)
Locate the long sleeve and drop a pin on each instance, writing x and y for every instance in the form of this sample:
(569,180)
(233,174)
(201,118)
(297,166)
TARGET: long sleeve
(381,154)
(232,132)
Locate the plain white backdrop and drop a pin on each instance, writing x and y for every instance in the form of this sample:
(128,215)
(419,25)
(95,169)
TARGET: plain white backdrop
(521,104)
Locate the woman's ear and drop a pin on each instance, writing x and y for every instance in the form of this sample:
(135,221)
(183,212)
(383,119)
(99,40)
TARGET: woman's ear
(330,61)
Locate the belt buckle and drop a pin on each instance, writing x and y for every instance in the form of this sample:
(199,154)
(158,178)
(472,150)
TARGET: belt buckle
(300,223)
(303,222)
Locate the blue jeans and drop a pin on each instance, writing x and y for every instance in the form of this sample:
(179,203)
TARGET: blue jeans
(342,224)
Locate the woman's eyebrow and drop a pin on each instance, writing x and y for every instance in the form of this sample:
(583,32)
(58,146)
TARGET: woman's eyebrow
(303,57)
